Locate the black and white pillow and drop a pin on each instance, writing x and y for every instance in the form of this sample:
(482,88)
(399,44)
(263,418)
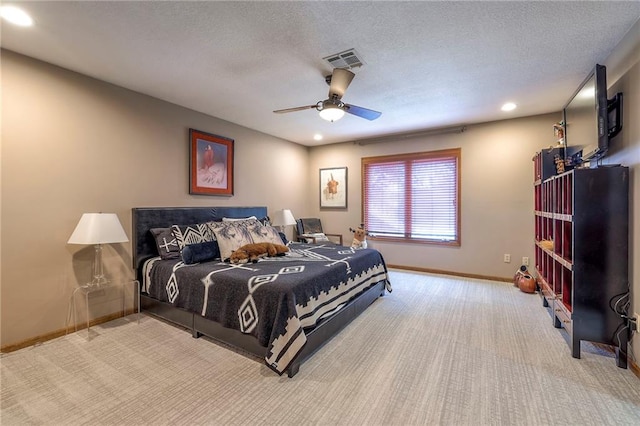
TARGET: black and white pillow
(266,221)
(166,243)
(192,234)
(264,234)
(238,219)
(231,235)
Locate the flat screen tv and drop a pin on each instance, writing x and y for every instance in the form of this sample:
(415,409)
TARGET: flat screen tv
(590,119)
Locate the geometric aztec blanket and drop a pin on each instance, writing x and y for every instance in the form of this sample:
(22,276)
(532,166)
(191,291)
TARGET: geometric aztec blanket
(275,299)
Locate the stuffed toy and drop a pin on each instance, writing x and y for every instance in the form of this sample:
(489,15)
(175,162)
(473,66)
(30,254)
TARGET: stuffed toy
(359,237)
(253,252)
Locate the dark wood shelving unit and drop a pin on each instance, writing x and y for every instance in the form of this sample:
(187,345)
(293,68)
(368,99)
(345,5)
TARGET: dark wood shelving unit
(581,251)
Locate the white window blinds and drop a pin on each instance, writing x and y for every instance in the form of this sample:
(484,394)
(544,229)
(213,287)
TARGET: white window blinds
(413,196)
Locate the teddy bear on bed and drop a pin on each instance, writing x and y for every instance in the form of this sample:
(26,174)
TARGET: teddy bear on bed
(253,252)
(359,237)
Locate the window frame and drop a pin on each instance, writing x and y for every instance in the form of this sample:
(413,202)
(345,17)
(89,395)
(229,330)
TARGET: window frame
(453,153)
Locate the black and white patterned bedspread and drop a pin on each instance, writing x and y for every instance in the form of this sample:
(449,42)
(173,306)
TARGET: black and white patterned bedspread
(274,299)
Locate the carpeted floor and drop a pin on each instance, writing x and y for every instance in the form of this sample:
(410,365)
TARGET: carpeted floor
(438,350)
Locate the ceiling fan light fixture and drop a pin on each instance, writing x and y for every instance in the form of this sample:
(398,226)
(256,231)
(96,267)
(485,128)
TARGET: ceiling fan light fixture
(333,109)
(331,112)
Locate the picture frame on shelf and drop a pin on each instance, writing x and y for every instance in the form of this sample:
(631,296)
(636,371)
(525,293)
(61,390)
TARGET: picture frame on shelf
(211,164)
(333,188)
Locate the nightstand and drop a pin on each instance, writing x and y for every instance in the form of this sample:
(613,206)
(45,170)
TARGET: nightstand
(104,293)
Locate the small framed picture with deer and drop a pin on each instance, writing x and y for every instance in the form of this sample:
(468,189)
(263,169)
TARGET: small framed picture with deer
(333,188)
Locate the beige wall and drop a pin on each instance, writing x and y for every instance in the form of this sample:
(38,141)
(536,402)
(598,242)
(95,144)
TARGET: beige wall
(623,75)
(496,186)
(72,144)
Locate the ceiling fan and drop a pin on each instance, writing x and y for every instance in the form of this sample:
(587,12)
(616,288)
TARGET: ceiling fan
(332,109)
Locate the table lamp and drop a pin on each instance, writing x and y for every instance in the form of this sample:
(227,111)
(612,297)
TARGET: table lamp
(283,218)
(98,229)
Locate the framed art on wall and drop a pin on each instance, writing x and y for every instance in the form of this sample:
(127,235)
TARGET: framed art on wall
(211,164)
(333,188)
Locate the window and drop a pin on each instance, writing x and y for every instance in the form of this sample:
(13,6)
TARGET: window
(413,197)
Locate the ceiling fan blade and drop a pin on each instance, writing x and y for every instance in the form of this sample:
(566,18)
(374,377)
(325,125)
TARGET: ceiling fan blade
(282,111)
(369,114)
(340,80)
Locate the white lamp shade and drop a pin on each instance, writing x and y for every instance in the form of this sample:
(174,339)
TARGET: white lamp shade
(283,218)
(98,228)
(331,113)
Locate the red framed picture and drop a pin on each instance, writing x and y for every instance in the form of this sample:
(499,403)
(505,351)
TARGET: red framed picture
(211,164)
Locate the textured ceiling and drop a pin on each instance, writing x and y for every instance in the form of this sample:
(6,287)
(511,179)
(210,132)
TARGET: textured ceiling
(427,64)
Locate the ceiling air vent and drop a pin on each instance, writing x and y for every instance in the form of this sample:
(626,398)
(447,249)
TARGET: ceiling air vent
(347,59)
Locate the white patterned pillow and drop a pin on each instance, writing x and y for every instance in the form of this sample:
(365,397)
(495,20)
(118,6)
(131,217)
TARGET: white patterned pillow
(239,219)
(231,236)
(264,234)
(192,234)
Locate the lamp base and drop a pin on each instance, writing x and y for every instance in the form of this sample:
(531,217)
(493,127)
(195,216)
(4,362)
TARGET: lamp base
(98,276)
(98,281)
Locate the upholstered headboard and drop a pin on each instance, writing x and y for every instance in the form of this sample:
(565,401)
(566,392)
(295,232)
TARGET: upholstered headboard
(146,218)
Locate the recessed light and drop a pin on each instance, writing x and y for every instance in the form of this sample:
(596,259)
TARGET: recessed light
(509,106)
(16,16)
(317,137)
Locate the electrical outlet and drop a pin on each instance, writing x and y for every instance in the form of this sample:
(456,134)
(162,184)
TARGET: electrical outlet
(525,261)
(507,258)
(635,322)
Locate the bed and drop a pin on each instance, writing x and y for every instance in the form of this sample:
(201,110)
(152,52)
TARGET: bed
(281,309)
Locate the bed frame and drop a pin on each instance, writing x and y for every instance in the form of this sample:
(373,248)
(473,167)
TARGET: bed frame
(144,247)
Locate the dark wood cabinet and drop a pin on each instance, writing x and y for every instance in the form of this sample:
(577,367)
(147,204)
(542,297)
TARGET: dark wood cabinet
(545,164)
(581,253)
